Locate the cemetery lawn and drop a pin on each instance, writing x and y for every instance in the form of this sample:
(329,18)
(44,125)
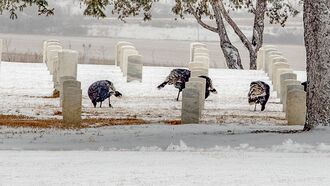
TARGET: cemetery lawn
(145,144)
(26,90)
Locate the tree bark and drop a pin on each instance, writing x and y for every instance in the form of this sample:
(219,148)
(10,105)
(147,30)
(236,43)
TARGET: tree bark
(231,53)
(258,31)
(317,43)
(258,28)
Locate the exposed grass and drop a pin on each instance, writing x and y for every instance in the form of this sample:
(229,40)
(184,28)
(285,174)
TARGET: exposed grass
(57,113)
(25,121)
(56,94)
(173,122)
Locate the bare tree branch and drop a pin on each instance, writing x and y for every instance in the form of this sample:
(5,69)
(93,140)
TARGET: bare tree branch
(199,20)
(237,30)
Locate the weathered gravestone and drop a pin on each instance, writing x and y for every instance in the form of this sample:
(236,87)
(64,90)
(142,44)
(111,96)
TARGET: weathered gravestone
(199,67)
(276,84)
(124,50)
(199,84)
(192,48)
(54,60)
(296,107)
(134,68)
(51,54)
(72,100)
(67,64)
(285,76)
(44,47)
(275,60)
(199,72)
(290,85)
(202,59)
(118,51)
(275,67)
(126,54)
(268,57)
(190,112)
(46,44)
(60,87)
(200,51)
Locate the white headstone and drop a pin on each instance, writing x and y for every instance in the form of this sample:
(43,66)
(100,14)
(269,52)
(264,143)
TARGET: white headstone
(126,53)
(192,48)
(285,76)
(72,81)
(277,66)
(275,59)
(266,55)
(48,56)
(190,112)
(118,50)
(200,84)
(269,55)
(72,101)
(53,59)
(203,59)
(276,84)
(67,63)
(134,68)
(45,45)
(199,72)
(290,85)
(197,64)
(121,54)
(296,107)
(200,51)
(200,54)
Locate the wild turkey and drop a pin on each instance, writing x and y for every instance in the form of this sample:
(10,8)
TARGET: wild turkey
(305,85)
(259,93)
(209,86)
(179,77)
(101,90)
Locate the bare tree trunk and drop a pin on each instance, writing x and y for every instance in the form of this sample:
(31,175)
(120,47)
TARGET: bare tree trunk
(258,28)
(230,52)
(258,31)
(253,59)
(317,43)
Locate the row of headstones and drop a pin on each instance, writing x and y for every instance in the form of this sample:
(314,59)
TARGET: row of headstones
(289,90)
(193,96)
(62,65)
(129,60)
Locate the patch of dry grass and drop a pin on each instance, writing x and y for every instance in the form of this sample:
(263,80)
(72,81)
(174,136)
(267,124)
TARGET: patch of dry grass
(57,113)
(56,94)
(25,121)
(173,122)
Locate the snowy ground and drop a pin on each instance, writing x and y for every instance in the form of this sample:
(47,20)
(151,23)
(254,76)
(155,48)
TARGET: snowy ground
(163,168)
(165,155)
(24,85)
(231,148)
